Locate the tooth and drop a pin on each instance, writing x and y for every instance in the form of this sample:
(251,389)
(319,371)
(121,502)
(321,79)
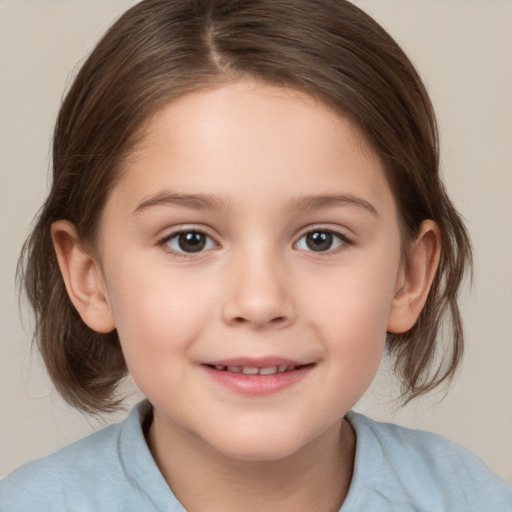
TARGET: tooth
(234,369)
(268,371)
(219,367)
(290,368)
(282,368)
(248,370)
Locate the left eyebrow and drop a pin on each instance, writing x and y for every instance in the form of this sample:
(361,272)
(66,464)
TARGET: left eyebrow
(326,201)
(191,201)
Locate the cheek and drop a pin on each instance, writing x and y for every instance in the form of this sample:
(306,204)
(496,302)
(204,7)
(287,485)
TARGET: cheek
(354,335)
(156,333)
(351,314)
(156,313)
(356,298)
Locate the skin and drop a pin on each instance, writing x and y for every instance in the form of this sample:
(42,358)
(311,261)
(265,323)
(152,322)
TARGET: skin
(270,165)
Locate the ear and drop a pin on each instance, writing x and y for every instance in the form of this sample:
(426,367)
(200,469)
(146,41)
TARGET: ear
(83,278)
(415,278)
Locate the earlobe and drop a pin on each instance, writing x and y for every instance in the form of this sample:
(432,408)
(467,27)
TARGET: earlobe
(415,279)
(83,278)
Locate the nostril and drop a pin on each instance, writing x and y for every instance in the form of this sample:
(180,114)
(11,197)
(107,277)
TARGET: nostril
(257,312)
(278,320)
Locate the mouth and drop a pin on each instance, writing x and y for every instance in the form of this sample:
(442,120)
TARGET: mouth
(257,377)
(256,370)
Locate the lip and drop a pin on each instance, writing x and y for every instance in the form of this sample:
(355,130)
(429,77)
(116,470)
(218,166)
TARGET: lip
(257,362)
(286,373)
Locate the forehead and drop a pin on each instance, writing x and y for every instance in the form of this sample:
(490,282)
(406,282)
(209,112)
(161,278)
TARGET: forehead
(249,138)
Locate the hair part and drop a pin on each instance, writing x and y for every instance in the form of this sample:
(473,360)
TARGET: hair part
(160,50)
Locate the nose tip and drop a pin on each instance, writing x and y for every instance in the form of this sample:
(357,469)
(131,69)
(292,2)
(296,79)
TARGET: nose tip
(260,298)
(256,316)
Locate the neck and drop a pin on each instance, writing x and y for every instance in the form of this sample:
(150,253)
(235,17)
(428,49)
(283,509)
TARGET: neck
(317,477)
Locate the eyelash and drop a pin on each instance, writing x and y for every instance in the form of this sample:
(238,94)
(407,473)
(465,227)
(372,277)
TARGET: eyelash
(165,242)
(343,242)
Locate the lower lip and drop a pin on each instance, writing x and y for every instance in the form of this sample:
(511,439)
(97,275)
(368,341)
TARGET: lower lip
(258,385)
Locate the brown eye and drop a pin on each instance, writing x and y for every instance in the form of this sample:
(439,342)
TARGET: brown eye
(190,242)
(321,240)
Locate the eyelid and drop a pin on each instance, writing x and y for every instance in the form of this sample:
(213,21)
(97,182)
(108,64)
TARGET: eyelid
(346,240)
(164,241)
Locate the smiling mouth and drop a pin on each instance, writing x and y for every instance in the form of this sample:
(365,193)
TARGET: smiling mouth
(252,377)
(253,370)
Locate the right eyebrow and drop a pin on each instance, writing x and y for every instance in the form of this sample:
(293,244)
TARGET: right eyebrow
(191,201)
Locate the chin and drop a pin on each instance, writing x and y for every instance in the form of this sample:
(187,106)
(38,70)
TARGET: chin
(261,447)
(254,455)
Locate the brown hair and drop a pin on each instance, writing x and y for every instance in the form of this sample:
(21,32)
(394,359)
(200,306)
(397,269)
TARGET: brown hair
(161,49)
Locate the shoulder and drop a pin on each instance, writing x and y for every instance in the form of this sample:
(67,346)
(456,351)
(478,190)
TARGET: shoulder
(48,483)
(65,480)
(425,469)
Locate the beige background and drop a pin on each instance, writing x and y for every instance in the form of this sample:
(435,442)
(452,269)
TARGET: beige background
(463,49)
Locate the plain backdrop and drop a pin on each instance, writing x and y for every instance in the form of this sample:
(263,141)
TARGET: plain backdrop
(463,50)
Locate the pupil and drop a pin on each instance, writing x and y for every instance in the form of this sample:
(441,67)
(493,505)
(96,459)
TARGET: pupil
(319,241)
(192,242)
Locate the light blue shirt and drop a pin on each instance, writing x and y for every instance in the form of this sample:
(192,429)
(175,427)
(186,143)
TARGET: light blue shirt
(396,470)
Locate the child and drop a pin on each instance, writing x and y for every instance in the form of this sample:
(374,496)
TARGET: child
(245,212)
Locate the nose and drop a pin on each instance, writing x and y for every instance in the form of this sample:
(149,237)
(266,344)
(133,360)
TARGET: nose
(259,294)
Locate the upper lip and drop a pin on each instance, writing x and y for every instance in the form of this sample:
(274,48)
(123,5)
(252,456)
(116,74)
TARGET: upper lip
(260,362)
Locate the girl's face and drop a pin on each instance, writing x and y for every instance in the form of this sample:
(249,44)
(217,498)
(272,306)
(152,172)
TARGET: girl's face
(251,255)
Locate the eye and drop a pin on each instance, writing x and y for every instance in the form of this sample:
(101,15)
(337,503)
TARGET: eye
(321,240)
(190,241)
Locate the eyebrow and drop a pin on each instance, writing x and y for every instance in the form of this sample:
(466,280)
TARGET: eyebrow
(212,202)
(191,201)
(321,202)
